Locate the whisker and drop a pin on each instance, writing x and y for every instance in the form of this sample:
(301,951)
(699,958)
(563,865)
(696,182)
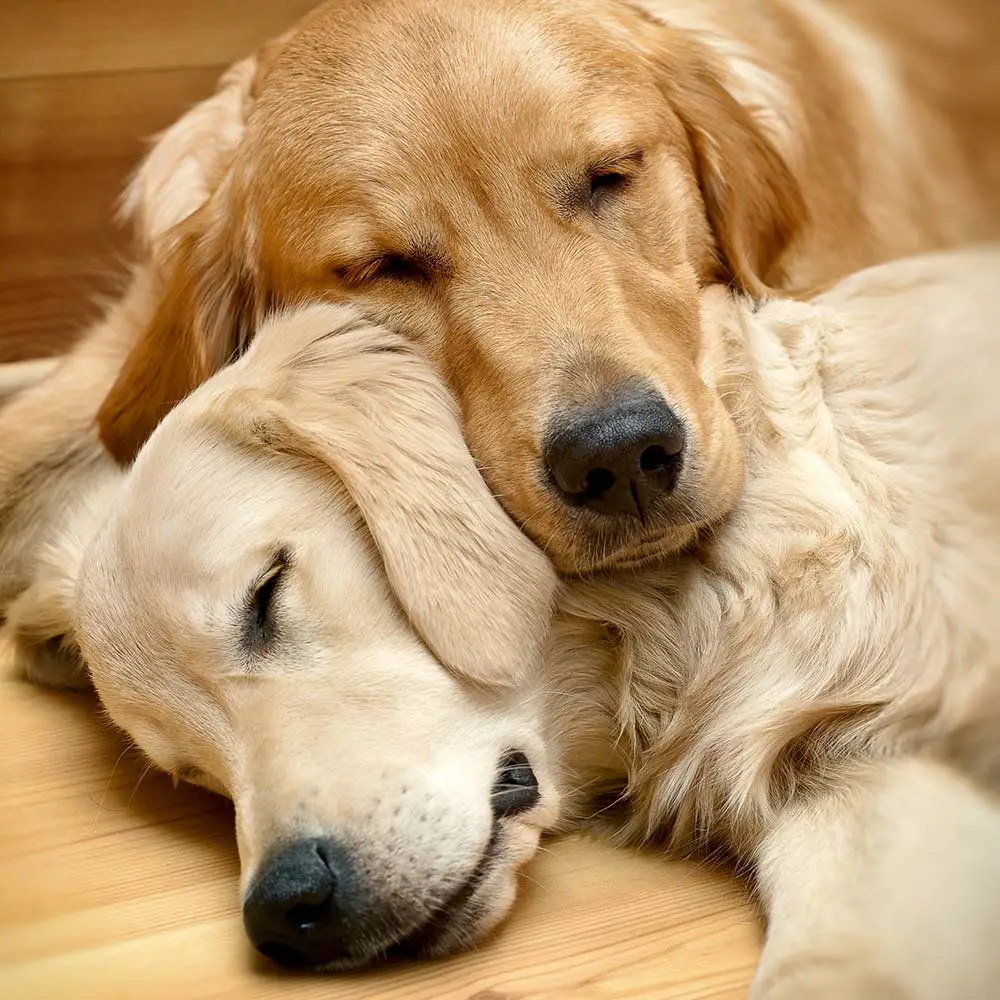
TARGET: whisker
(107,786)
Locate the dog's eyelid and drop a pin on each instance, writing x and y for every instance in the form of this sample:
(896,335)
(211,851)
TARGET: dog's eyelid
(611,174)
(258,626)
(621,164)
(395,266)
(279,562)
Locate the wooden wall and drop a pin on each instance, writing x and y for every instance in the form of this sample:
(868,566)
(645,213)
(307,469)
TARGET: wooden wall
(83,84)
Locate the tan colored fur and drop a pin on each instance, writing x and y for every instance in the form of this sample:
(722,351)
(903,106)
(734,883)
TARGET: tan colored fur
(784,143)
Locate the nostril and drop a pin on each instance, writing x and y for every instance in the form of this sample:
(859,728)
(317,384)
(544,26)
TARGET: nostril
(597,483)
(516,787)
(655,459)
(308,915)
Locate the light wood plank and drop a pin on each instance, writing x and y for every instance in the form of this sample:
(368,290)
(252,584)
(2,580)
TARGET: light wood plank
(67,37)
(67,147)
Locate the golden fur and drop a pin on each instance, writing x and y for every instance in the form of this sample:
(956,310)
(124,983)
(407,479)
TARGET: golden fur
(537,198)
(814,690)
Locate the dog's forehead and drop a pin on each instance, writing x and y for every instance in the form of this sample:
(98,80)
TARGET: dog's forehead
(181,546)
(422,74)
(196,504)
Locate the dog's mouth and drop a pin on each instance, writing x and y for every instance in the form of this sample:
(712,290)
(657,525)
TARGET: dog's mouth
(584,543)
(454,922)
(314,934)
(646,550)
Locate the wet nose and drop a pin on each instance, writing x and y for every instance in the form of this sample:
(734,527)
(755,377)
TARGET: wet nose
(617,457)
(297,911)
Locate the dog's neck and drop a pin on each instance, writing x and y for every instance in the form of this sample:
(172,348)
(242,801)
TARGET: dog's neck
(728,674)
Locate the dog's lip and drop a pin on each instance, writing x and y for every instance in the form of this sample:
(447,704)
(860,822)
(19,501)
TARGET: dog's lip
(442,921)
(647,550)
(448,914)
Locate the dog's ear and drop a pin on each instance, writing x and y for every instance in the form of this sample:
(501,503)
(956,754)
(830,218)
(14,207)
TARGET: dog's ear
(207,306)
(178,201)
(188,160)
(755,205)
(356,398)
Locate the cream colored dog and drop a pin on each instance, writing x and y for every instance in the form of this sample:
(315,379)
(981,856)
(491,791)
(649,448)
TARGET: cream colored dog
(273,604)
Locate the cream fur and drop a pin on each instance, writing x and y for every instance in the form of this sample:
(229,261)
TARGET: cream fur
(804,690)
(812,688)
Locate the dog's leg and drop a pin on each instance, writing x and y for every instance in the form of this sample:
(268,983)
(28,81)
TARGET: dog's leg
(887,888)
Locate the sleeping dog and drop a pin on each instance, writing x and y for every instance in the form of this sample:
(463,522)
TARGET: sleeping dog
(302,595)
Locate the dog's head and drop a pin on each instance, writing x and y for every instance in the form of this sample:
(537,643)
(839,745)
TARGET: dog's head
(305,597)
(533,192)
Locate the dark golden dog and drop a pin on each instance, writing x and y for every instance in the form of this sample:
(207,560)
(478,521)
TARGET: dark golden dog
(535,191)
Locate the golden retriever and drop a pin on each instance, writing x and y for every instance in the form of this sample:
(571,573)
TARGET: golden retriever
(303,595)
(535,191)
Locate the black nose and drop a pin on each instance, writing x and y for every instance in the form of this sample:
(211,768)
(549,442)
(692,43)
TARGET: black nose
(616,458)
(295,912)
(516,787)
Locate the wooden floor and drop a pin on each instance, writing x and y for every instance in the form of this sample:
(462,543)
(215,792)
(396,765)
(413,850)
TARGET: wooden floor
(114,885)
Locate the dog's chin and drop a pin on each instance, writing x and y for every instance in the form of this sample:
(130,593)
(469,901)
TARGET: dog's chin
(477,917)
(583,552)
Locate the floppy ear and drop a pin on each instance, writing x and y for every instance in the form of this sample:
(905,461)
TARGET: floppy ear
(205,301)
(188,161)
(355,397)
(208,306)
(754,203)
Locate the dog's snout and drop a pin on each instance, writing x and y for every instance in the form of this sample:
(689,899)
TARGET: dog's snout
(617,457)
(295,912)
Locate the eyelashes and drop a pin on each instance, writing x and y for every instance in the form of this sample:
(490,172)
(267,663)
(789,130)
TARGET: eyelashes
(604,186)
(609,179)
(260,625)
(392,267)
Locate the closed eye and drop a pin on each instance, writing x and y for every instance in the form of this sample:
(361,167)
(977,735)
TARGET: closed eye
(391,267)
(603,184)
(609,179)
(260,627)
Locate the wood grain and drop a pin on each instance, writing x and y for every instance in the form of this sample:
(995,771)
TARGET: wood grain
(115,886)
(69,37)
(67,147)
